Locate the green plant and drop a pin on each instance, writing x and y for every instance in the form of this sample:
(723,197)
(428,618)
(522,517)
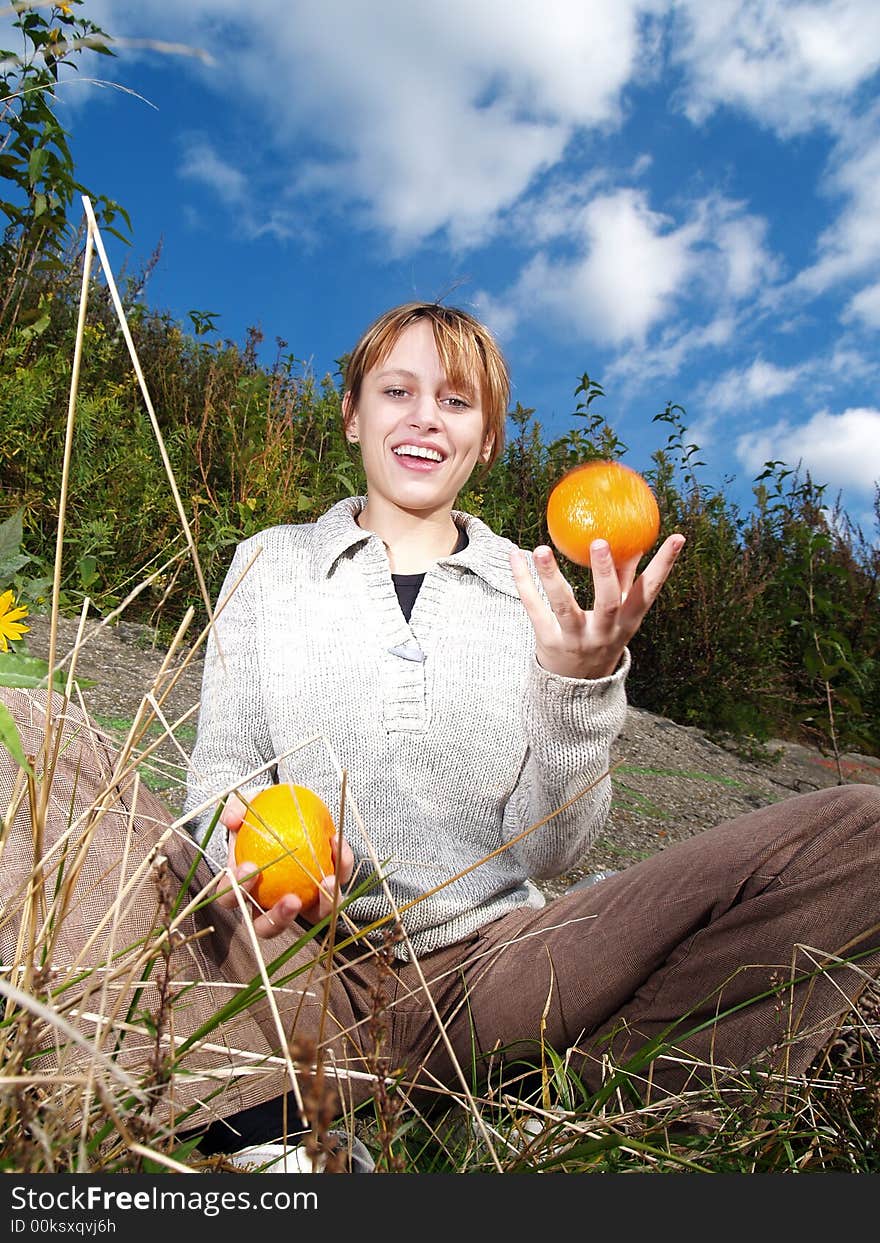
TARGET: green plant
(705,654)
(822,588)
(37,172)
(17,667)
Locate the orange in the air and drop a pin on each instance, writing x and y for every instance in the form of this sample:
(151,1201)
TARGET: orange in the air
(286,832)
(602,500)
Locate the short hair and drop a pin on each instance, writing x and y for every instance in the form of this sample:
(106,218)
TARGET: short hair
(467,350)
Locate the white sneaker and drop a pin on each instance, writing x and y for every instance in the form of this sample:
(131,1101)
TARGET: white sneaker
(294,1159)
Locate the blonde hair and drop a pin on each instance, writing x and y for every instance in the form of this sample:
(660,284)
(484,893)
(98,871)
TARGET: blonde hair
(467,350)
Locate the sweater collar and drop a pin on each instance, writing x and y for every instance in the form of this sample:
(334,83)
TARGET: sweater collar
(337,534)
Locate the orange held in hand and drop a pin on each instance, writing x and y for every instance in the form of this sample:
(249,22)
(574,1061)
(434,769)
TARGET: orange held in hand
(286,832)
(602,500)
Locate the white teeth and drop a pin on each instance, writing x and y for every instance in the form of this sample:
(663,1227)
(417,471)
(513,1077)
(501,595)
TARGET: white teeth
(417,451)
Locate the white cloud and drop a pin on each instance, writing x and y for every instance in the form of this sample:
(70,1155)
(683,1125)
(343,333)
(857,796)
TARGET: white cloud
(630,276)
(674,345)
(847,362)
(201,163)
(789,63)
(439,118)
(447,122)
(630,267)
(413,186)
(760,382)
(432,118)
(851,245)
(741,390)
(795,66)
(446,141)
(840,450)
(865,306)
(558,212)
(748,265)
(498,314)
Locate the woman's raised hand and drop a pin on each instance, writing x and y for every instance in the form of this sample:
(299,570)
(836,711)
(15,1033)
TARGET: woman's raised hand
(588,643)
(289,907)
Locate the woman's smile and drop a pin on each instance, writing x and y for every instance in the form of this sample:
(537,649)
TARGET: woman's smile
(419,457)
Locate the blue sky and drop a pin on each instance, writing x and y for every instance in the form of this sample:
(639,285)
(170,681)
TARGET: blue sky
(682,199)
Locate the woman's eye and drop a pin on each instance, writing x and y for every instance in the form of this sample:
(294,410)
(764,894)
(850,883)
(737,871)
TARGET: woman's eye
(458,403)
(395,392)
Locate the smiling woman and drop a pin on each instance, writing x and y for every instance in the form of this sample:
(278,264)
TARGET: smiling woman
(465,704)
(471,703)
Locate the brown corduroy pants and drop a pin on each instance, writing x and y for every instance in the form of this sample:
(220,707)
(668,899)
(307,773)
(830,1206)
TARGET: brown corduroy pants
(743,945)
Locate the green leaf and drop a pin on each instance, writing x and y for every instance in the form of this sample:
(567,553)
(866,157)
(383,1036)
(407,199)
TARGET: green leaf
(116,233)
(36,164)
(11,535)
(88,570)
(11,556)
(31,673)
(849,700)
(10,738)
(10,566)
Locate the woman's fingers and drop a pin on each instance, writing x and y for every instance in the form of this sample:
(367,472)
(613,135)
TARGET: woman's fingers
(588,644)
(268,924)
(345,865)
(245,875)
(560,608)
(646,587)
(231,818)
(288,908)
(607,591)
(528,592)
(626,574)
(562,600)
(324,905)
(233,813)
(234,890)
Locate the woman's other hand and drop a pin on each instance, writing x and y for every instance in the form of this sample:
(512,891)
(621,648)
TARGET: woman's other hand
(588,643)
(289,907)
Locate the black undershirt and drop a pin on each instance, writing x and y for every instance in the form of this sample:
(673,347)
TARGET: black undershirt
(407,585)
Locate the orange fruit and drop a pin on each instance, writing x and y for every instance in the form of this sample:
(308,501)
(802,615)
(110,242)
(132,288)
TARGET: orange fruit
(286,832)
(602,500)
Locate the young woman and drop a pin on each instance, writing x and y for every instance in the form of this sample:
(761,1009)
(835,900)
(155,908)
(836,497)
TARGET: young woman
(471,702)
(452,687)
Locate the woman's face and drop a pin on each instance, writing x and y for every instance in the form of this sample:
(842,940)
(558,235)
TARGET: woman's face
(420,436)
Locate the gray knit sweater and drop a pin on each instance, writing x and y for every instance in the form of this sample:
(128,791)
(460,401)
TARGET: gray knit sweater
(452,737)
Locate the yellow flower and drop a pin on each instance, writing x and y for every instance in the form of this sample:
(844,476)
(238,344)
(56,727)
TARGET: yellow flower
(65,9)
(10,620)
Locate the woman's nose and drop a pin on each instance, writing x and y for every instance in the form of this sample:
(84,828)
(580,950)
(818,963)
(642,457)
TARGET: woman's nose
(424,413)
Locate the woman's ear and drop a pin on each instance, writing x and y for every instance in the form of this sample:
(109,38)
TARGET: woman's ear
(488,446)
(349,418)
